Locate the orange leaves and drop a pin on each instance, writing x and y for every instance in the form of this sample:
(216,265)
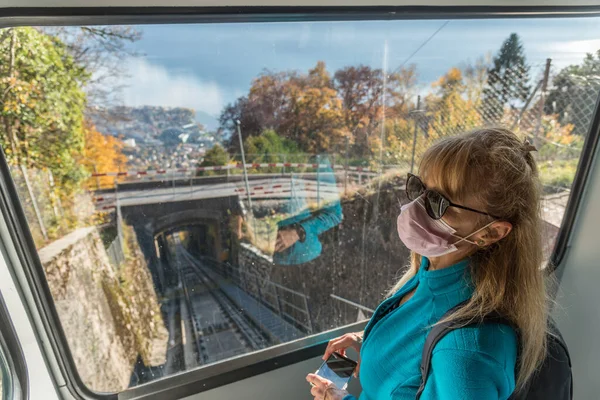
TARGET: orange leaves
(102,153)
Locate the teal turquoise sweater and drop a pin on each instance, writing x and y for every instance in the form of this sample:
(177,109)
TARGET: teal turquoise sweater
(472,363)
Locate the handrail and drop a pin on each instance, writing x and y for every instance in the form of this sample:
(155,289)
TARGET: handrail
(359,306)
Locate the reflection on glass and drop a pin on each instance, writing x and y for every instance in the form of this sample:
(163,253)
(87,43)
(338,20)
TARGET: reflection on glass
(164,253)
(298,235)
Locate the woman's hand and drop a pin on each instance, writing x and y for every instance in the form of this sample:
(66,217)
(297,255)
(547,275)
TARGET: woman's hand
(324,389)
(285,239)
(343,342)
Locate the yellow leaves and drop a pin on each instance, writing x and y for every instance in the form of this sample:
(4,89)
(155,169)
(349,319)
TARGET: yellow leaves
(556,132)
(452,77)
(102,153)
(18,94)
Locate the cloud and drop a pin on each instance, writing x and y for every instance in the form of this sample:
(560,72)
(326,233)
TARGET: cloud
(153,85)
(576,46)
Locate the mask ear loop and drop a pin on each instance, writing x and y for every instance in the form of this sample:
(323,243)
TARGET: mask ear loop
(478,244)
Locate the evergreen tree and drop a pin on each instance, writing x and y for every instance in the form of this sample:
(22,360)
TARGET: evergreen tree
(508,79)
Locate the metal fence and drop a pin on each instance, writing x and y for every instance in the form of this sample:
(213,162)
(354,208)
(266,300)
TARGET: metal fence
(555,115)
(50,213)
(289,304)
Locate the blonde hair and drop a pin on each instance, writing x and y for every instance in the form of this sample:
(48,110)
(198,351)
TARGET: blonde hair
(496,169)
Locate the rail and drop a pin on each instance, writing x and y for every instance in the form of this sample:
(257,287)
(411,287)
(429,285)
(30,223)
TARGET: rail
(359,306)
(204,343)
(274,296)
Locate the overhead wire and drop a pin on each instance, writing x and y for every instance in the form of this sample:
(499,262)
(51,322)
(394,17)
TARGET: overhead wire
(424,43)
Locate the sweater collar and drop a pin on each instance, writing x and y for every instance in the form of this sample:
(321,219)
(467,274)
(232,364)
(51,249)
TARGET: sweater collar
(445,279)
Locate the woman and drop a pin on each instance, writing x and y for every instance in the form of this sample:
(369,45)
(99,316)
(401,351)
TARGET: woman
(474,231)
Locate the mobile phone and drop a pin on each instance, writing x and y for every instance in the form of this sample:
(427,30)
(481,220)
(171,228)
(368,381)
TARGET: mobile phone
(338,369)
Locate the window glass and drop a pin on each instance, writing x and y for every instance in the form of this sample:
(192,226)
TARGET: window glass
(199,192)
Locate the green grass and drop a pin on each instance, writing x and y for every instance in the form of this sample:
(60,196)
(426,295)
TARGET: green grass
(558,174)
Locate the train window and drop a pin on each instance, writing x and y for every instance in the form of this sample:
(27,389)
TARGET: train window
(199,192)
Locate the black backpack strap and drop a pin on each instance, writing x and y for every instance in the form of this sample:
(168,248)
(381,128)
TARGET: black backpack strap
(442,329)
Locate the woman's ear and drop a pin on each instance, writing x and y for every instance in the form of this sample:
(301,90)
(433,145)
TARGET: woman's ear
(495,232)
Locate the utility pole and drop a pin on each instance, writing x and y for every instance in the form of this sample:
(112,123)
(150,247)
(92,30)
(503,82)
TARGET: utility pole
(542,102)
(239,131)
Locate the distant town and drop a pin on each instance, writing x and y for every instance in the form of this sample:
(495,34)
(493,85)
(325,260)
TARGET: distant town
(157,137)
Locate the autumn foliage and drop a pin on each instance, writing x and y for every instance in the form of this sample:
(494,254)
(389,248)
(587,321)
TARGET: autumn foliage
(102,153)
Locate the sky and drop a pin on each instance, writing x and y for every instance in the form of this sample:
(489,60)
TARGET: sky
(206,66)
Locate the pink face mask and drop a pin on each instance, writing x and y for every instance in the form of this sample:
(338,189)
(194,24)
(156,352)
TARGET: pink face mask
(427,236)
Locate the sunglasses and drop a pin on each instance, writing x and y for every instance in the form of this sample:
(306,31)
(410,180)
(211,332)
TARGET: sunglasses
(436,204)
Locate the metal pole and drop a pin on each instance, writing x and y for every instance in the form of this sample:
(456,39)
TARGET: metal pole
(382,139)
(412,162)
(318,181)
(518,118)
(278,301)
(119,217)
(346,301)
(346,166)
(284,161)
(239,131)
(308,316)
(97,177)
(36,209)
(542,101)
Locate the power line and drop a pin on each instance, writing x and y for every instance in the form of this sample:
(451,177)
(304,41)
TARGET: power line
(423,44)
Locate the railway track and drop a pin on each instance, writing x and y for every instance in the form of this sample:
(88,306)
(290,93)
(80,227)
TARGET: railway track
(213,327)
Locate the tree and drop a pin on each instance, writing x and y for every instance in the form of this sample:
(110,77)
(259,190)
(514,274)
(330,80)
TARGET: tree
(401,85)
(240,110)
(475,77)
(216,156)
(449,112)
(318,111)
(42,104)
(399,136)
(360,89)
(300,107)
(575,90)
(269,147)
(102,153)
(508,79)
(102,51)
(318,120)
